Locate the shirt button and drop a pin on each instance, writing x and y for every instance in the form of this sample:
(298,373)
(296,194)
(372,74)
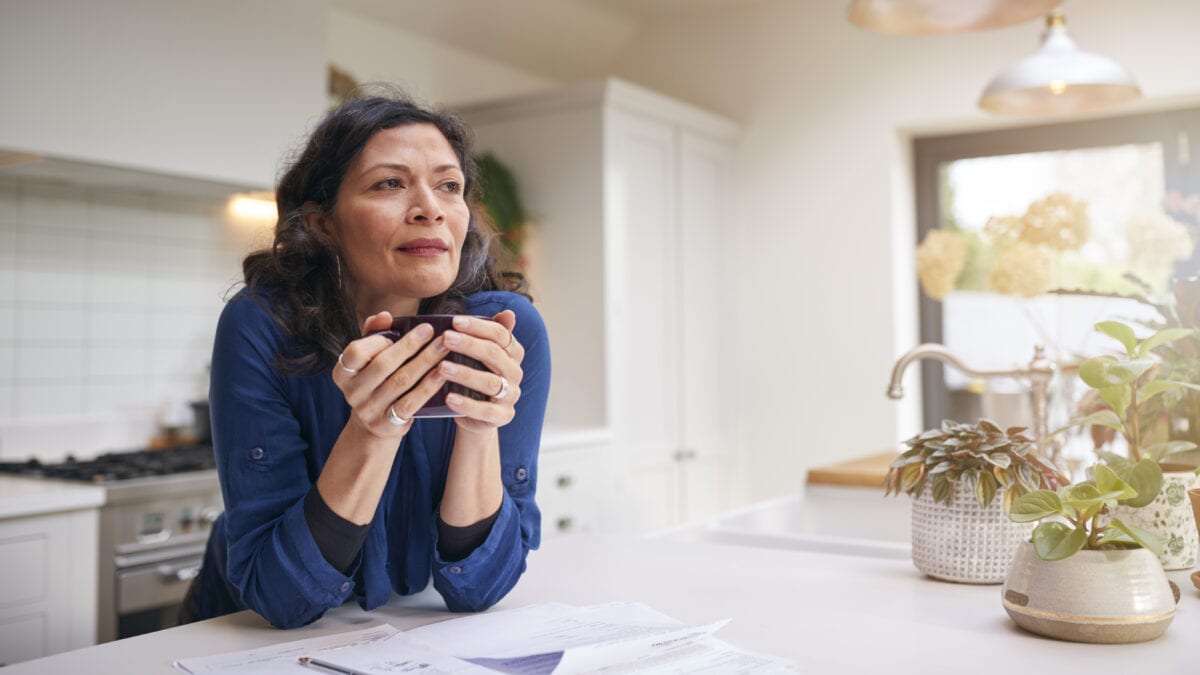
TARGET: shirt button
(521,473)
(345,586)
(455,569)
(257,453)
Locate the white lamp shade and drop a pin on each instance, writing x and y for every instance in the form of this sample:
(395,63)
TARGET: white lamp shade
(932,17)
(1059,79)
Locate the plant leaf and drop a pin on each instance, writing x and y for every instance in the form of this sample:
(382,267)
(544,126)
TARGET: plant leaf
(1104,418)
(1155,387)
(1145,538)
(985,488)
(1118,397)
(1160,451)
(1121,332)
(1094,372)
(1035,506)
(910,476)
(1146,478)
(1109,483)
(1011,495)
(1116,462)
(1055,540)
(942,490)
(1162,337)
(1087,498)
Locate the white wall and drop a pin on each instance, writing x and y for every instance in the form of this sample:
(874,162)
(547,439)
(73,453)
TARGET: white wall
(216,89)
(826,297)
(426,69)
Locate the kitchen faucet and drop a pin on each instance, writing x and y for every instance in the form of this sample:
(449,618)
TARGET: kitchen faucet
(1039,373)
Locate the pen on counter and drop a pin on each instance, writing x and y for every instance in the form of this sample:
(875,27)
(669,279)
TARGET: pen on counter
(332,667)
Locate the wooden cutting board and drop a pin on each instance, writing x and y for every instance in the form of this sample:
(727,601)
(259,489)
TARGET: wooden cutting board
(862,472)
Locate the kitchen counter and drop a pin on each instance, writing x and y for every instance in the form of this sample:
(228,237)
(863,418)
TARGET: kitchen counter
(20,497)
(865,472)
(829,613)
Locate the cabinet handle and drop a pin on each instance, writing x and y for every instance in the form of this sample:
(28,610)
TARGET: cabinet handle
(565,523)
(565,480)
(685,455)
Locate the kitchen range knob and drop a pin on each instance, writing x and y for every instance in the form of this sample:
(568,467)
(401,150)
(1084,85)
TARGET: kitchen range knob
(209,515)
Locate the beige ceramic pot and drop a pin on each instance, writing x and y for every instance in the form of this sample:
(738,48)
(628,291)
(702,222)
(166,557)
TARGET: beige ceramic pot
(1092,596)
(1170,517)
(963,541)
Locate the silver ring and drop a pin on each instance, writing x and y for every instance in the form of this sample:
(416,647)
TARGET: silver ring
(499,396)
(510,341)
(343,366)
(396,420)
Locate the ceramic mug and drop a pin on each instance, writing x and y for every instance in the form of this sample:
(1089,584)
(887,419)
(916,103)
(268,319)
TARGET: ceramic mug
(436,405)
(1194,494)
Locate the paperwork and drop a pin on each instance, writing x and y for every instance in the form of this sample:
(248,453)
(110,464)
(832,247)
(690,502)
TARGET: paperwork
(535,640)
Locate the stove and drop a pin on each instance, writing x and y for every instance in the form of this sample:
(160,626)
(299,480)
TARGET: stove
(159,507)
(119,466)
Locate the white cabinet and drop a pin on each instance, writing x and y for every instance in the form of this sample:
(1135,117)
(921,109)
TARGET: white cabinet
(218,89)
(48,569)
(628,189)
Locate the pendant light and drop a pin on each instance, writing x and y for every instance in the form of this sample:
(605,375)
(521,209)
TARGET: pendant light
(1059,79)
(931,17)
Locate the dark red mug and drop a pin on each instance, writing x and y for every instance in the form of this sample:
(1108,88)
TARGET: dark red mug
(436,405)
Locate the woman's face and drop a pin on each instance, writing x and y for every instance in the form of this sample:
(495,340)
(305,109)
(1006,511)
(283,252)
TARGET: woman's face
(401,217)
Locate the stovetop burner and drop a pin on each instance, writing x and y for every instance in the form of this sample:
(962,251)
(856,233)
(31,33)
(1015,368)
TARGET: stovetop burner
(116,466)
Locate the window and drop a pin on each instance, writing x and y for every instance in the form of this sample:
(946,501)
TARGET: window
(1034,211)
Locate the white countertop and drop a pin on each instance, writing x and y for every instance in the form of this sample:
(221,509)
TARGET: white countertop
(831,613)
(20,497)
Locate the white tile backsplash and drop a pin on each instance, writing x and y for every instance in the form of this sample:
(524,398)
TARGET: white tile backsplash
(39,286)
(53,206)
(37,365)
(108,303)
(54,325)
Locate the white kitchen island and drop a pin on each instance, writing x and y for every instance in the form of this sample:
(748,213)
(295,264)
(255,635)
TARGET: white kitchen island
(830,613)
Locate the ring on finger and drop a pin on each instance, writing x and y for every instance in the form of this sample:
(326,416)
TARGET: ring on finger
(394,419)
(510,342)
(343,366)
(499,396)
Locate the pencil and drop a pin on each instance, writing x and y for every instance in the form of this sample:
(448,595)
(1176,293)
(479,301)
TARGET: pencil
(332,667)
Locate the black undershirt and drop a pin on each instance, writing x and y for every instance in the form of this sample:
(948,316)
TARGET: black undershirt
(341,540)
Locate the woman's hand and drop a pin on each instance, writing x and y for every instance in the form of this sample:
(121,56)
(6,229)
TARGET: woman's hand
(492,343)
(373,375)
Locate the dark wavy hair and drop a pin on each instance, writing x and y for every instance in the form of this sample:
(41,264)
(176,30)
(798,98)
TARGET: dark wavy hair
(302,270)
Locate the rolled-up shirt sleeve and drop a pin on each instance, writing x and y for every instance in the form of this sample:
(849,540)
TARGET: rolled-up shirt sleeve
(273,561)
(481,579)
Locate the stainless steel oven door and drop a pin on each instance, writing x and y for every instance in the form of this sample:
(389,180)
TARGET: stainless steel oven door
(148,593)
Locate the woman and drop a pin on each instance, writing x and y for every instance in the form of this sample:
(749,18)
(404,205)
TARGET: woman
(331,489)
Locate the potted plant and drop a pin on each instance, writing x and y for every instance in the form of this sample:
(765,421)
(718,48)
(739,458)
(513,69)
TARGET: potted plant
(1127,383)
(954,474)
(1086,577)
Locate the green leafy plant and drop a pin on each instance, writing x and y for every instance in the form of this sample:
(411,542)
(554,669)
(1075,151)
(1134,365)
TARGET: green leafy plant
(1075,517)
(1127,383)
(502,199)
(986,458)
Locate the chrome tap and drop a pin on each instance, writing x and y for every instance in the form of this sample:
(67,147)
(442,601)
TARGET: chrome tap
(1039,373)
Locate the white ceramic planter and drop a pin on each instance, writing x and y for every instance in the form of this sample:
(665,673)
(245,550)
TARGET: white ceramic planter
(1092,596)
(1170,517)
(963,541)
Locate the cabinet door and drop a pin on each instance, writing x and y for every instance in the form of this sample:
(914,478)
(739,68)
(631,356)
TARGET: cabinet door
(574,487)
(641,251)
(706,234)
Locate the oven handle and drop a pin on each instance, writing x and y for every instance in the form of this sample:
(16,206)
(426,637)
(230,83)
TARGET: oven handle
(178,572)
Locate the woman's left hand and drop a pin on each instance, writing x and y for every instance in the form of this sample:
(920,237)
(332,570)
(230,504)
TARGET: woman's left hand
(493,344)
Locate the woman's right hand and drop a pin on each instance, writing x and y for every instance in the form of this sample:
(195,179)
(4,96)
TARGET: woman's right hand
(375,373)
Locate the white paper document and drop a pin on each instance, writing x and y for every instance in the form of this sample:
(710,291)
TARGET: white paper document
(535,640)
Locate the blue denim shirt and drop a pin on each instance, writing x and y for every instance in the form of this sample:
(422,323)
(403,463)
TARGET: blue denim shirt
(272,434)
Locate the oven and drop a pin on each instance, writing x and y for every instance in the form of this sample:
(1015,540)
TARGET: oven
(158,510)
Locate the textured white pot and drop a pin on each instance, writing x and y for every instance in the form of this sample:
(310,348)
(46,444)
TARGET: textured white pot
(1092,596)
(1170,517)
(963,541)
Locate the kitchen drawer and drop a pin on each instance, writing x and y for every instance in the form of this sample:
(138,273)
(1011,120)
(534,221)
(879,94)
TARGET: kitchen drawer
(572,485)
(24,560)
